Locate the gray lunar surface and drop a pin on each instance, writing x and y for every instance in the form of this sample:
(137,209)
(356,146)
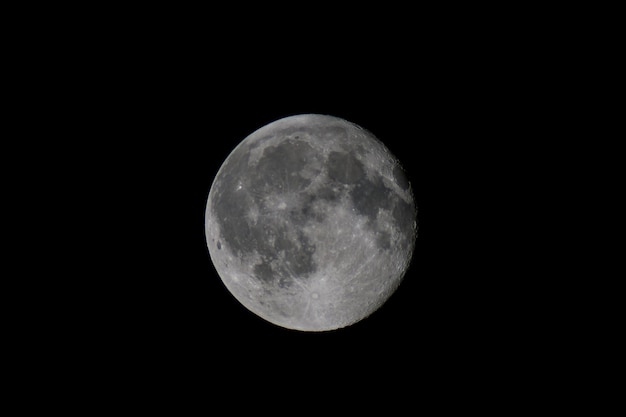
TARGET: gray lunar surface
(311,223)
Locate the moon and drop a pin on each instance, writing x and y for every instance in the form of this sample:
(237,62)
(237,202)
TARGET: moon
(311,223)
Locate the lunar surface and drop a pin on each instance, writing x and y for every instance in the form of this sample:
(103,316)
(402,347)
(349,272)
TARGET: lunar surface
(311,223)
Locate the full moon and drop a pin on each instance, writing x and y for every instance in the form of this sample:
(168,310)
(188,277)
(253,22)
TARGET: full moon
(311,223)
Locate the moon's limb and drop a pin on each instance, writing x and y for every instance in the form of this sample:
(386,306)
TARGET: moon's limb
(310,223)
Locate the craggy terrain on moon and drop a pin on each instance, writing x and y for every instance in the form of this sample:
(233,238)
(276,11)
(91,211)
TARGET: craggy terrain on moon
(311,223)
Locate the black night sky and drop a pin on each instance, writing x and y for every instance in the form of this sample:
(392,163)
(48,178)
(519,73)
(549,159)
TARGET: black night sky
(173,133)
(156,116)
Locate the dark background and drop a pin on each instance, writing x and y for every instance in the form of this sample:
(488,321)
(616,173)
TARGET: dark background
(168,133)
(145,114)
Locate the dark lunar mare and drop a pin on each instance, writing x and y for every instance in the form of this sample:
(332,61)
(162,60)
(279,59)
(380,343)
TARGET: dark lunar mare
(368,196)
(344,168)
(283,253)
(280,166)
(400,177)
